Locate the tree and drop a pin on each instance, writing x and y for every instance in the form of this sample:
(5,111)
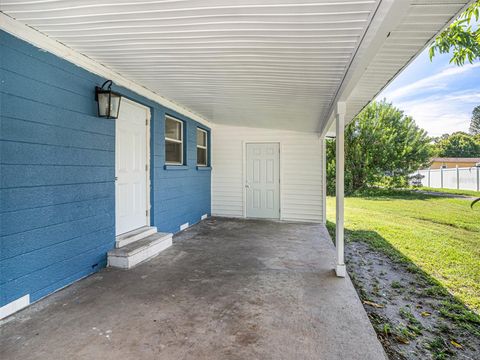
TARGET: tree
(382,146)
(458,144)
(460,37)
(475,122)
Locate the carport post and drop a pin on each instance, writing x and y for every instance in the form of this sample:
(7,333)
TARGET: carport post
(341,109)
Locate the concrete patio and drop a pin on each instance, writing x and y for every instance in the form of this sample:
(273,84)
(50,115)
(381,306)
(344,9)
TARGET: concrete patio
(227,289)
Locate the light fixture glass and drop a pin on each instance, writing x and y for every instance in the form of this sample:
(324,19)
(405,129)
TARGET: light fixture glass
(108,100)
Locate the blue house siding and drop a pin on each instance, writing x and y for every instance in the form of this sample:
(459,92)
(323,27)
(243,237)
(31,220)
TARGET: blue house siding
(57,166)
(186,190)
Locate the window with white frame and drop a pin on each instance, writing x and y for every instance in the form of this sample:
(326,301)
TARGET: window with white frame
(202,147)
(173,141)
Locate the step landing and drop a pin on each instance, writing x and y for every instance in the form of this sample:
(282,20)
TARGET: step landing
(140,250)
(134,235)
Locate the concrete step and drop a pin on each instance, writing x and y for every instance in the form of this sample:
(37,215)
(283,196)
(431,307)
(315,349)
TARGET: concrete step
(134,235)
(141,250)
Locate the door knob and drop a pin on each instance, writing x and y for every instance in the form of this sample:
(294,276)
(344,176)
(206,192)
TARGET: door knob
(247,186)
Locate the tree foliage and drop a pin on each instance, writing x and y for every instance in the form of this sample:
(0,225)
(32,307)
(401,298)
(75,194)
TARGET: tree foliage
(458,144)
(475,122)
(461,37)
(382,146)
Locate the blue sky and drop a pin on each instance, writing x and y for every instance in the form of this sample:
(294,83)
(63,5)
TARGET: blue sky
(438,95)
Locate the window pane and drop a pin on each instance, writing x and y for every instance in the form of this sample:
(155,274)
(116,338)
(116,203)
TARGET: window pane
(201,156)
(173,129)
(201,138)
(173,152)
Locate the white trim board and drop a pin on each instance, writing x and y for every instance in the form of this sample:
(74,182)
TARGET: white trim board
(14,306)
(392,14)
(385,18)
(147,121)
(148,129)
(42,41)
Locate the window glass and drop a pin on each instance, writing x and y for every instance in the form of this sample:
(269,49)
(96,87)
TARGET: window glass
(173,141)
(173,129)
(202,147)
(173,152)
(201,157)
(201,138)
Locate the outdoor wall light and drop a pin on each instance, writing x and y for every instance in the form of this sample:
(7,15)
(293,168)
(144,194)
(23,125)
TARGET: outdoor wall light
(108,101)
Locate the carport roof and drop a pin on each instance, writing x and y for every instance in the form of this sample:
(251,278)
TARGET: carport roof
(260,63)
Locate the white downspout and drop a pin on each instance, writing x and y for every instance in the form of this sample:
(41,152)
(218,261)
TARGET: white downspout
(340,188)
(324,180)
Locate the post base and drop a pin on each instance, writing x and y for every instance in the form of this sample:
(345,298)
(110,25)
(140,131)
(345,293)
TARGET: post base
(341,270)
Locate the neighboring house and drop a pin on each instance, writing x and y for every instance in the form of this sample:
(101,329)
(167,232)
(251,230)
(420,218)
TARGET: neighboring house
(447,163)
(224,112)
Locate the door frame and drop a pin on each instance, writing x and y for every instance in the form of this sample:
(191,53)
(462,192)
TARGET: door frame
(148,160)
(244,174)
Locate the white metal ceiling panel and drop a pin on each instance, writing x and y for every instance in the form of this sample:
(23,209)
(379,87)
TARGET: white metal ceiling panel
(265,63)
(424,19)
(260,63)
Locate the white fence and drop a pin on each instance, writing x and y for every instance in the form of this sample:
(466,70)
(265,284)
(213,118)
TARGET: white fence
(455,178)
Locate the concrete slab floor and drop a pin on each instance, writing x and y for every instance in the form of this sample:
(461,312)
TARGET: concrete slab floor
(226,289)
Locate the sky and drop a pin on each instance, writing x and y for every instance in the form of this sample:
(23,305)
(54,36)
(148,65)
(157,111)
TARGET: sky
(439,96)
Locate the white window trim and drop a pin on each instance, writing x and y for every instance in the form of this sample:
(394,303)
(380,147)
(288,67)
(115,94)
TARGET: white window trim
(175,141)
(203,147)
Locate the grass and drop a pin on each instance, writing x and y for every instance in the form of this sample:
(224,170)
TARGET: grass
(441,236)
(439,349)
(397,285)
(452,191)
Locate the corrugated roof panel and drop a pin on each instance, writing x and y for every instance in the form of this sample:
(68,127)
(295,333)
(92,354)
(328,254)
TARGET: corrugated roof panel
(264,63)
(268,63)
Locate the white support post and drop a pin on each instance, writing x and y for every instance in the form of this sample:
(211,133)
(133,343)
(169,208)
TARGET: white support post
(441,177)
(324,180)
(340,188)
(478,178)
(428,177)
(458,178)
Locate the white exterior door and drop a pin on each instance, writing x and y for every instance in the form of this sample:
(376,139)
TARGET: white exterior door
(131,171)
(263,180)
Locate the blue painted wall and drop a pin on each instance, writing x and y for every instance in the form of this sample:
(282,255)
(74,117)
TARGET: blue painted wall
(57,167)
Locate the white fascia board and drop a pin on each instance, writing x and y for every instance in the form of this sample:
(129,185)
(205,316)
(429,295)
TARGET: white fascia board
(48,44)
(386,17)
(14,306)
(328,129)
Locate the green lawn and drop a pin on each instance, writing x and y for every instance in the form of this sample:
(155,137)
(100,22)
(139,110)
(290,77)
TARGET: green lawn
(439,235)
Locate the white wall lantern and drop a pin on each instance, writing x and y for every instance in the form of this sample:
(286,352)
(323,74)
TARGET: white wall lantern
(108,101)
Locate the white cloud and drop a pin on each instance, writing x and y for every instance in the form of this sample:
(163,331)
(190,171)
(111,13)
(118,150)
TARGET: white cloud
(443,113)
(433,82)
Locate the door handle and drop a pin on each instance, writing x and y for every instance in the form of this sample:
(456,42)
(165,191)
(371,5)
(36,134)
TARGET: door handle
(247,186)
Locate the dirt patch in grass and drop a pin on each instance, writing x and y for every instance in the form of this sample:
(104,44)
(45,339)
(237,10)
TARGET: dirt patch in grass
(413,315)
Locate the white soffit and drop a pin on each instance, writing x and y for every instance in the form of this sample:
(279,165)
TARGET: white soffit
(423,20)
(258,63)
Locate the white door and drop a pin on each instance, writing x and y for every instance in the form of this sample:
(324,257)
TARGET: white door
(131,171)
(263,180)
